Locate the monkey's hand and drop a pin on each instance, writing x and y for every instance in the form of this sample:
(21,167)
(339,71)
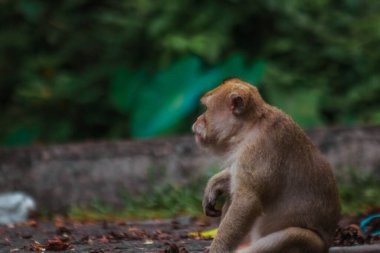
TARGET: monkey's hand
(209,203)
(217,185)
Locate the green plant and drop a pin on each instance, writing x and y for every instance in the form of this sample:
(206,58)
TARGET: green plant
(162,202)
(76,70)
(359,192)
(173,93)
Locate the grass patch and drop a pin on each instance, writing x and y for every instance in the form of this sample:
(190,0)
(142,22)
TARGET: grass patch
(359,193)
(163,202)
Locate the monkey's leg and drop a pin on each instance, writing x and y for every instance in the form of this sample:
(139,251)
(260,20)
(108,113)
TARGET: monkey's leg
(289,240)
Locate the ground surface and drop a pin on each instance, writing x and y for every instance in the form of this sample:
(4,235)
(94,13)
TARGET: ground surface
(169,236)
(100,237)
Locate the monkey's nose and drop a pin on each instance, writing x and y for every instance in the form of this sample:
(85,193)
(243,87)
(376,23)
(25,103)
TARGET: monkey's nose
(193,128)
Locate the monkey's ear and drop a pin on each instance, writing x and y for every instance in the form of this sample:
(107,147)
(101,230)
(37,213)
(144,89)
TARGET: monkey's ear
(237,103)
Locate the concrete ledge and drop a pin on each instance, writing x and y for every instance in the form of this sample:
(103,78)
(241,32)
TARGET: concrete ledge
(58,176)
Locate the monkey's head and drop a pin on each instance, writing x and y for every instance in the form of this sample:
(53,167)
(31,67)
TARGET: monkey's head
(231,109)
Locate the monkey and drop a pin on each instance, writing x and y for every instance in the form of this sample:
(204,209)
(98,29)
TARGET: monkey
(281,192)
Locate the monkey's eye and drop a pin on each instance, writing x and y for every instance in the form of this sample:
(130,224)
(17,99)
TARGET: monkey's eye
(203,108)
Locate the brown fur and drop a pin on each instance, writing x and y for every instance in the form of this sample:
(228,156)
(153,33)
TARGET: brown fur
(280,186)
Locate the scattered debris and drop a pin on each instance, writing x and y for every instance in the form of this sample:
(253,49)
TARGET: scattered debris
(359,230)
(52,245)
(65,236)
(100,237)
(370,225)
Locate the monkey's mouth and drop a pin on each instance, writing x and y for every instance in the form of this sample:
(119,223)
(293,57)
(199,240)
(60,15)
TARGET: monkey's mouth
(199,138)
(199,134)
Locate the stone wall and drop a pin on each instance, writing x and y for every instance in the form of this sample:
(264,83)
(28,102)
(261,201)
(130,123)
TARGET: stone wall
(58,176)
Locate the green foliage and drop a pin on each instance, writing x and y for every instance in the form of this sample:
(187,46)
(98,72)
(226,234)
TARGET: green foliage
(159,202)
(173,92)
(359,193)
(302,104)
(163,202)
(76,70)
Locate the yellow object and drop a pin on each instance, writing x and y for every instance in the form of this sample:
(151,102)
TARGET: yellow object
(207,233)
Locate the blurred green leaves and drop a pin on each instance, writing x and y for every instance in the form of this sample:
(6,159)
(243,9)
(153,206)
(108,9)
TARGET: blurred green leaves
(158,103)
(32,10)
(359,192)
(79,70)
(124,86)
(169,97)
(22,135)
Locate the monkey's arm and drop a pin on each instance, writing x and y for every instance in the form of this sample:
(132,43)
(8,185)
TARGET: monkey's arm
(244,209)
(216,186)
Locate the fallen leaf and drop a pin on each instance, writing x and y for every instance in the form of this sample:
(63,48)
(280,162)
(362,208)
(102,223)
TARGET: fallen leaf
(59,221)
(183,250)
(32,223)
(58,245)
(63,231)
(148,241)
(103,239)
(171,248)
(116,235)
(205,234)
(36,246)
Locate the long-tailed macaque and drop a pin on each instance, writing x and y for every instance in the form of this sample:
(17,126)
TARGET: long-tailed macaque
(282,193)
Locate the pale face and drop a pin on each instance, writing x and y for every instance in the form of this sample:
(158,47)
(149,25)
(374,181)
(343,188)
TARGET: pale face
(217,126)
(199,129)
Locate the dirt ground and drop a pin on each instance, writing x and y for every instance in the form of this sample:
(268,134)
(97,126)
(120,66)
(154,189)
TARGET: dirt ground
(100,237)
(165,236)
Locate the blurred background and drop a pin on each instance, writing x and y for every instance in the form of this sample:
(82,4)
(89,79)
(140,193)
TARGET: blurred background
(76,70)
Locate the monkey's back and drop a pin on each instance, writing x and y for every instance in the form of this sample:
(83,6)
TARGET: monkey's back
(308,195)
